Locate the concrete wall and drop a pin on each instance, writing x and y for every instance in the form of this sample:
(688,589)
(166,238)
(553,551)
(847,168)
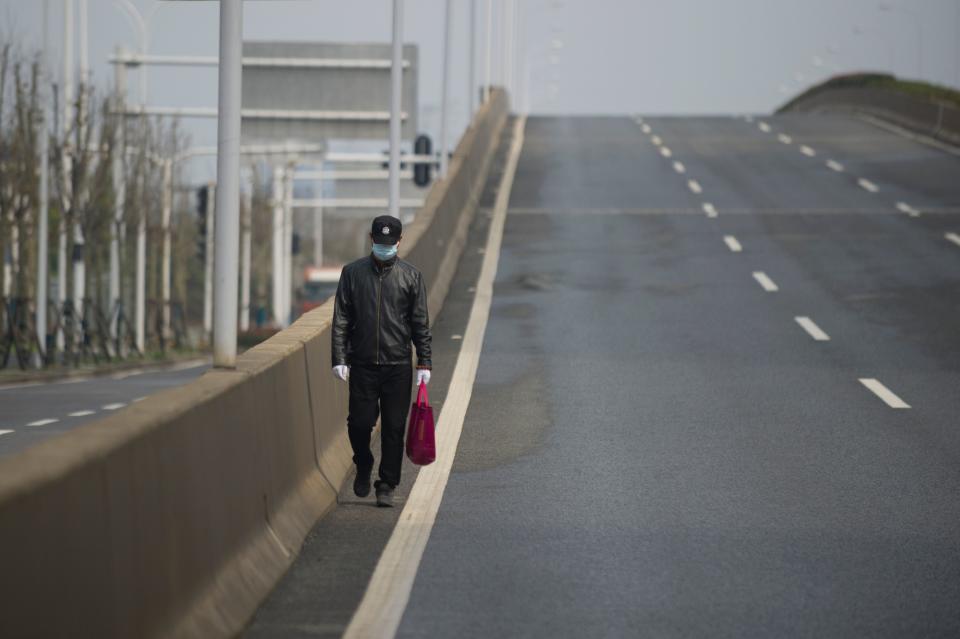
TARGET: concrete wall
(934,119)
(177,515)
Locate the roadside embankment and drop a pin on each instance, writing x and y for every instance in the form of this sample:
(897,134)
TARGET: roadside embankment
(177,515)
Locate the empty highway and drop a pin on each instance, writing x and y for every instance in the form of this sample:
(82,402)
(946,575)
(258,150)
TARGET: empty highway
(717,396)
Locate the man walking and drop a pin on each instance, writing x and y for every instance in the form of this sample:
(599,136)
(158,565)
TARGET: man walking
(380,308)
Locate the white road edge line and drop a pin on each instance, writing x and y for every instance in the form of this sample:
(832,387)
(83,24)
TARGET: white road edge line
(807,151)
(43,422)
(388,592)
(679,167)
(732,243)
(833,165)
(953,237)
(867,185)
(81,413)
(812,329)
(764,280)
(709,209)
(695,186)
(884,393)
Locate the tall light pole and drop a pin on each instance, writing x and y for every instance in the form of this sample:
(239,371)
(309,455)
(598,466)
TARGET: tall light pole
(67,83)
(120,193)
(445,87)
(226,261)
(44,200)
(396,90)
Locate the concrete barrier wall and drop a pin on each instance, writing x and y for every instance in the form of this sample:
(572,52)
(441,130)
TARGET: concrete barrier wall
(934,119)
(177,515)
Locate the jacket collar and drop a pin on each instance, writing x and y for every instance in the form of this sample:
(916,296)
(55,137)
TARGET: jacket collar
(382,267)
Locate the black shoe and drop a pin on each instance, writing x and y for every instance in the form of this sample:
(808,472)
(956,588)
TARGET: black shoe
(361,483)
(384,495)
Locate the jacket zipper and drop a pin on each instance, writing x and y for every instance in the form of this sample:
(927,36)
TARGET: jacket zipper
(379,288)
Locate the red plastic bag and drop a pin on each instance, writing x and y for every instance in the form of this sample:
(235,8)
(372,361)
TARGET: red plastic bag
(421,443)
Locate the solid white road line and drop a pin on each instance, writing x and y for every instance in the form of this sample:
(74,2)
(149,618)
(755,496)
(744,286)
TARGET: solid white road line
(656,140)
(768,285)
(812,329)
(679,167)
(732,243)
(43,422)
(884,393)
(666,152)
(5,432)
(903,207)
(807,151)
(695,186)
(764,127)
(81,413)
(116,406)
(953,237)
(709,209)
(388,592)
(835,166)
(867,185)
(786,139)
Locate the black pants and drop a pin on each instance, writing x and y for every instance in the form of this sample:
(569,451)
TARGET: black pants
(383,390)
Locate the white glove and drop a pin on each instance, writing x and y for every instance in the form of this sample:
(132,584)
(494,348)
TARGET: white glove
(341,372)
(423,376)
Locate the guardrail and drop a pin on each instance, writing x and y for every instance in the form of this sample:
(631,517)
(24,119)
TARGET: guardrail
(177,515)
(932,118)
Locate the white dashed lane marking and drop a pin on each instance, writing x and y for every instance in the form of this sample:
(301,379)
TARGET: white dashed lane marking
(709,209)
(116,406)
(656,140)
(903,207)
(764,280)
(43,422)
(138,399)
(953,237)
(646,128)
(732,243)
(807,151)
(81,413)
(884,393)
(665,152)
(5,432)
(764,127)
(867,185)
(812,329)
(456,337)
(679,167)
(695,186)
(833,165)
(785,139)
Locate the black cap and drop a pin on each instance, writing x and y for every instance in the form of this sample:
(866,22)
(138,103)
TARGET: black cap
(386,229)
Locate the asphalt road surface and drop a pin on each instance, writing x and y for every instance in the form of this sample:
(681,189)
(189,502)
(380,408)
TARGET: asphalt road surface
(32,412)
(717,397)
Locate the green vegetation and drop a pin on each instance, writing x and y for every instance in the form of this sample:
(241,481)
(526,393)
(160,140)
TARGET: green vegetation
(922,90)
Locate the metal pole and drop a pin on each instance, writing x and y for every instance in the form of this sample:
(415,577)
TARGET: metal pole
(445,86)
(245,258)
(79,254)
(167,201)
(489,38)
(44,201)
(228,186)
(277,255)
(318,224)
(209,251)
(472,73)
(67,164)
(140,311)
(287,242)
(120,194)
(396,86)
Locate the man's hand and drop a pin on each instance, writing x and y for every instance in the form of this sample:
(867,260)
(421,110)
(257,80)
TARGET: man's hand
(423,376)
(341,372)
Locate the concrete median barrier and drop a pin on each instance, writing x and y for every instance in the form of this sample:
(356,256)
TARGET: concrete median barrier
(177,515)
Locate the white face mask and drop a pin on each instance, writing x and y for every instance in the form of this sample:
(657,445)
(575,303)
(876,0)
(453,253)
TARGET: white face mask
(384,252)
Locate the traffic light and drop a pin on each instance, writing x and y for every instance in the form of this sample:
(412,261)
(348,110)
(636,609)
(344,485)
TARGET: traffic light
(421,170)
(202,194)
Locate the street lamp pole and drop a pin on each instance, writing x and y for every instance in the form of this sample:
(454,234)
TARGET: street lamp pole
(396,88)
(445,84)
(226,275)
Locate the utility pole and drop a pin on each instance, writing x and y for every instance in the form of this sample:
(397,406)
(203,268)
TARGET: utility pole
(140,303)
(79,198)
(167,204)
(44,200)
(120,193)
(245,258)
(287,241)
(396,90)
(228,186)
(208,253)
(279,316)
(445,83)
(67,164)
(318,223)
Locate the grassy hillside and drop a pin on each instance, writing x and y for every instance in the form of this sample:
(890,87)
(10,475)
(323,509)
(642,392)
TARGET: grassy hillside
(923,90)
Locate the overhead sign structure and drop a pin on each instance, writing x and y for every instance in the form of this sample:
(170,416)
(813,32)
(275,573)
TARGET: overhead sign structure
(309,91)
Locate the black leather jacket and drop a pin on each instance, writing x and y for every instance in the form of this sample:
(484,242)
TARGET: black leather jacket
(379,310)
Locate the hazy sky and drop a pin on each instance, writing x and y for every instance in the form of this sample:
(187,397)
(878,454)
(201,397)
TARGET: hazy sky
(573,56)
